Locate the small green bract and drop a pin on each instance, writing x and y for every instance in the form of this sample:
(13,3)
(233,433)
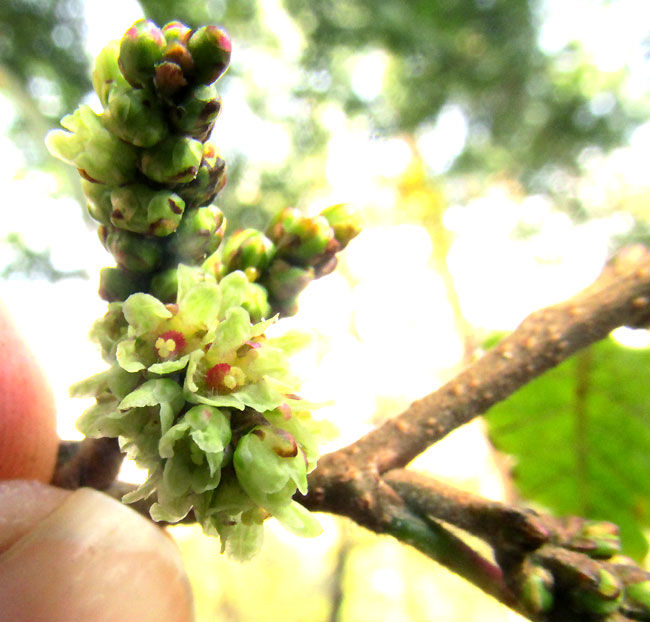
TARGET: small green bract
(202,399)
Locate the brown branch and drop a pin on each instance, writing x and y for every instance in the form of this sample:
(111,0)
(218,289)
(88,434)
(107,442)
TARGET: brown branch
(504,527)
(619,297)
(93,462)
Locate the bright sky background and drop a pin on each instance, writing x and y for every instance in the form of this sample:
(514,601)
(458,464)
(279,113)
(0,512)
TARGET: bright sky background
(403,343)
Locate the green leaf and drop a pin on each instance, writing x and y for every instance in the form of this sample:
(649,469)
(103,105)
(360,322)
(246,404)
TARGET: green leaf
(232,333)
(90,386)
(188,277)
(203,479)
(581,437)
(259,395)
(169,438)
(121,382)
(298,520)
(234,290)
(243,542)
(144,313)
(115,379)
(101,419)
(190,385)
(146,489)
(210,428)
(291,342)
(170,510)
(200,305)
(127,357)
(219,401)
(89,146)
(168,367)
(154,392)
(177,477)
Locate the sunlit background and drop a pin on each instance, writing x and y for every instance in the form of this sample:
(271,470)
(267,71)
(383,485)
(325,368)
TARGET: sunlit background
(464,236)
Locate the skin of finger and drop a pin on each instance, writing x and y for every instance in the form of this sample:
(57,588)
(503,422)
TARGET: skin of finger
(91,558)
(28,438)
(24,504)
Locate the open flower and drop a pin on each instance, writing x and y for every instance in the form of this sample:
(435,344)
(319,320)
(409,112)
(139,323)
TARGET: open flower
(161,337)
(241,367)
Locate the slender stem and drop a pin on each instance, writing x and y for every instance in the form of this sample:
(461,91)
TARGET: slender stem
(436,542)
(93,462)
(337,577)
(501,525)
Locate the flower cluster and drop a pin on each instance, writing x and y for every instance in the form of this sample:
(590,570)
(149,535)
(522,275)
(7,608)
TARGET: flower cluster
(196,393)
(150,172)
(201,398)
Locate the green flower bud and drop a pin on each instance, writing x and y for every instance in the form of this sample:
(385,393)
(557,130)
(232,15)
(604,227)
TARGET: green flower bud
(270,467)
(537,590)
(99,156)
(177,31)
(141,48)
(273,460)
(110,330)
(131,252)
(209,181)
(199,234)
(106,73)
(248,250)
(99,200)
(605,537)
(177,36)
(257,303)
(116,285)
(285,220)
(213,266)
(344,221)
(284,281)
(175,160)
(169,78)
(135,116)
(196,114)
(326,266)
(605,599)
(302,240)
(164,285)
(139,209)
(195,448)
(210,48)
(637,600)
(286,307)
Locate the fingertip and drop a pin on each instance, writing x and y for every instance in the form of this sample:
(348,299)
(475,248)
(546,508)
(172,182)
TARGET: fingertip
(91,558)
(28,437)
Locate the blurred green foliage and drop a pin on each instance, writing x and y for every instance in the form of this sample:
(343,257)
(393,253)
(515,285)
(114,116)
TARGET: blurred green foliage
(580,436)
(34,264)
(43,66)
(526,110)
